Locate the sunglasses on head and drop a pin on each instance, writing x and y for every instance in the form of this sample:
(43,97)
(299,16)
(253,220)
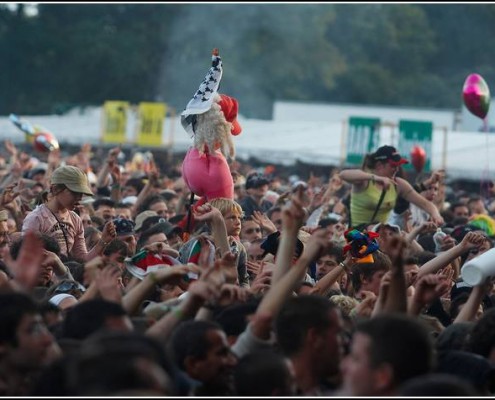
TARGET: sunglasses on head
(66,286)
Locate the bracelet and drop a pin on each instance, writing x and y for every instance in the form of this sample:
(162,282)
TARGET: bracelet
(343,266)
(102,242)
(372,179)
(116,187)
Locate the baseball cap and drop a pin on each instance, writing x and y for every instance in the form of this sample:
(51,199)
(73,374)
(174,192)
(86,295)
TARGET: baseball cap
(389,153)
(72,177)
(255,181)
(394,227)
(141,217)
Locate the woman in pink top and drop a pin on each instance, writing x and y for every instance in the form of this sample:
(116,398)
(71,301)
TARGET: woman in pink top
(57,219)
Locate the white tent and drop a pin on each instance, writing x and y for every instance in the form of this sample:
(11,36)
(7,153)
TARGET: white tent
(463,154)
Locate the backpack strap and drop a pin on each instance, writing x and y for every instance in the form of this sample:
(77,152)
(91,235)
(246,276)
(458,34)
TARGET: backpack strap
(380,201)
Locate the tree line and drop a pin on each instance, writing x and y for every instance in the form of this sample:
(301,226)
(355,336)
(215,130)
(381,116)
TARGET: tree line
(76,55)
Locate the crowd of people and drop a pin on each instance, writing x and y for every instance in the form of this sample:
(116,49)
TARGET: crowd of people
(115,280)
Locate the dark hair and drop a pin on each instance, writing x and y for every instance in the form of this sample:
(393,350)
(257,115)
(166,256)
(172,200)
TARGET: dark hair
(336,251)
(88,317)
(437,385)
(105,364)
(362,271)
(272,210)
(13,307)
(456,303)
(298,315)
(400,341)
(470,367)
(136,183)
(148,201)
(482,338)
(233,319)
(262,373)
(190,339)
(424,256)
(49,244)
(115,246)
(103,201)
(76,269)
(161,227)
(123,205)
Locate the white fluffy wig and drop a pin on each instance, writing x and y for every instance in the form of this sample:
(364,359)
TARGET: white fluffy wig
(213,130)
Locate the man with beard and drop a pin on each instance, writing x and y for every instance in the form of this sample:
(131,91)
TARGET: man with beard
(200,349)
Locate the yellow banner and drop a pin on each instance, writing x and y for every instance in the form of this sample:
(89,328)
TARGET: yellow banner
(114,127)
(150,123)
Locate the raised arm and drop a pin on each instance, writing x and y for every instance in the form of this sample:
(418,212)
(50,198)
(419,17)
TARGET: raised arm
(292,220)
(470,241)
(280,290)
(411,195)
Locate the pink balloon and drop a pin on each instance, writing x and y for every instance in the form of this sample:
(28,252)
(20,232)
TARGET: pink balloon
(418,158)
(476,95)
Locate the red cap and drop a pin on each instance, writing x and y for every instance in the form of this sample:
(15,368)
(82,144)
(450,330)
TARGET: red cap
(230,107)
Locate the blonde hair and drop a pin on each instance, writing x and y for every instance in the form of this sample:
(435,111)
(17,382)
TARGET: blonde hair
(213,130)
(345,303)
(226,205)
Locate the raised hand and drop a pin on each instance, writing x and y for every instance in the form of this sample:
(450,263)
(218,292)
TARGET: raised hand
(472,240)
(207,212)
(109,232)
(293,214)
(108,283)
(430,287)
(9,194)
(262,220)
(26,269)
(317,243)
(162,249)
(367,304)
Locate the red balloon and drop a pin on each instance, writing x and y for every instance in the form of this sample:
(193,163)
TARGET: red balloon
(476,95)
(418,158)
(45,142)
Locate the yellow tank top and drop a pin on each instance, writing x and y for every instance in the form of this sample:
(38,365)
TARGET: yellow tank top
(363,204)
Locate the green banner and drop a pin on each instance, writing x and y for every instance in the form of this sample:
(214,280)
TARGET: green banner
(415,133)
(362,138)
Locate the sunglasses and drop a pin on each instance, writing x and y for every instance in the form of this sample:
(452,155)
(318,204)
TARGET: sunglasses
(66,286)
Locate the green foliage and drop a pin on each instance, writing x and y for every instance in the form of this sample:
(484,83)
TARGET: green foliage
(415,55)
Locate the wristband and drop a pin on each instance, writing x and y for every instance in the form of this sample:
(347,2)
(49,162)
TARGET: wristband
(343,266)
(372,179)
(103,243)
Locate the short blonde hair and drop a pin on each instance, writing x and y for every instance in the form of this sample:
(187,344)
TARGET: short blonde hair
(345,303)
(227,205)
